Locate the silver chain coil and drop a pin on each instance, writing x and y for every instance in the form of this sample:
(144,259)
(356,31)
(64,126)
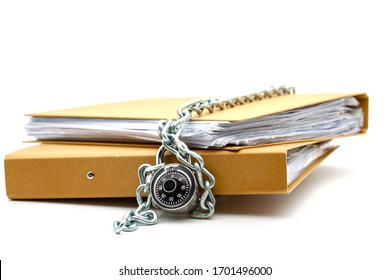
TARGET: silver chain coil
(169,132)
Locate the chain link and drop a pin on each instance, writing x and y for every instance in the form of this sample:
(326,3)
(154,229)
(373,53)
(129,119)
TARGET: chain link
(169,132)
(142,215)
(222,103)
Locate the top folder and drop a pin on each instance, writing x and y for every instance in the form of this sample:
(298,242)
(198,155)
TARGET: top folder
(272,120)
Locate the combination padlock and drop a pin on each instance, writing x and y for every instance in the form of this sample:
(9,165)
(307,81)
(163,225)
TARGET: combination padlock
(174,187)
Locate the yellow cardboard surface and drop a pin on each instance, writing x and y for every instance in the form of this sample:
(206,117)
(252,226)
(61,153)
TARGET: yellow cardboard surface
(165,108)
(48,171)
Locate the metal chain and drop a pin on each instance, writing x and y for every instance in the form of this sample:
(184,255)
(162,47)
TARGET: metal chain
(143,214)
(221,103)
(169,132)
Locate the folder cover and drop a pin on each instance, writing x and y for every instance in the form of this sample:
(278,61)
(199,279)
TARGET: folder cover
(165,108)
(272,120)
(48,171)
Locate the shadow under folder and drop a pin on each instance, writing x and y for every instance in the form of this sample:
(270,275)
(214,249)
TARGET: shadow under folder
(280,204)
(259,205)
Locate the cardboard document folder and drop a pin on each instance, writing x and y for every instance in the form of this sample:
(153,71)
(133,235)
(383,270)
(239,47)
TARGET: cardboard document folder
(165,108)
(62,169)
(48,171)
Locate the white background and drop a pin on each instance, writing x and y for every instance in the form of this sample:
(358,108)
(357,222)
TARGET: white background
(58,54)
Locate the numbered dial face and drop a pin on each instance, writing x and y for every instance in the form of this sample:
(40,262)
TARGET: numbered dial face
(173,186)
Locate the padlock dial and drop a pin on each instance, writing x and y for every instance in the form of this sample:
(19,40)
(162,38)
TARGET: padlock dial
(173,186)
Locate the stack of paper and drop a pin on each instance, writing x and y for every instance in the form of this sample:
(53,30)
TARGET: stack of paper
(329,119)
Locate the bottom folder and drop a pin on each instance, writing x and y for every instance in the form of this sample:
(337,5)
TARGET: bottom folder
(48,171)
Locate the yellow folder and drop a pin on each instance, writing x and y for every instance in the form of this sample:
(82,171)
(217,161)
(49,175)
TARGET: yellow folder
(164,108)
(47,171)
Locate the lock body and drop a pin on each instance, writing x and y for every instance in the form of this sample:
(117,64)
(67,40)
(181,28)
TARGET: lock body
(174,189)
